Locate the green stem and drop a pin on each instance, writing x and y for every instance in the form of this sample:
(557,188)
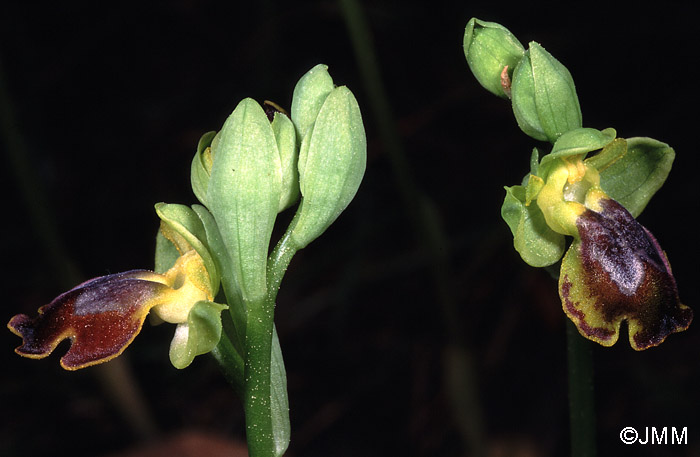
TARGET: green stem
(257,400)
(581,400)
(259,330)
(279,261)
(579,354)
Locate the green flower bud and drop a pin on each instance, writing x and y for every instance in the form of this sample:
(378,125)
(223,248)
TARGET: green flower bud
(244,193)
(332,163)
(201,167)
(286,137)
(544,98)
(523,100)
(489,49)
(309,94)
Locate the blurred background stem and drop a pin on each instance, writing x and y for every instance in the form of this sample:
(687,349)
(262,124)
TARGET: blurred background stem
(115,377)
(579,355)
(458,361)
(581,398)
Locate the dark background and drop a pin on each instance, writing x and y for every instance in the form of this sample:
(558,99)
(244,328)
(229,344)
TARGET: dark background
(105,106)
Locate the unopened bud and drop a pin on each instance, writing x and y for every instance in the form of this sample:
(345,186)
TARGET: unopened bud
(332,163)
(544,97)
(491,50)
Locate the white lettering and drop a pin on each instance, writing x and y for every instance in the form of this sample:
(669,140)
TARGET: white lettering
(646,436)
(630,435)
(675,439)
(659,439)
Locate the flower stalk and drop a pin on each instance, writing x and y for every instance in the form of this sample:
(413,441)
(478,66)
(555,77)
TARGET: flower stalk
(260,163)
(581,395)
(589,187)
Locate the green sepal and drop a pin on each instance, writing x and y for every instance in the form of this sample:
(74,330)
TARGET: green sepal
(638,174)
(489,48)
(576,142)
(200,170)
(187,226)
(288,148)
(224,263)
(309,95)
(199,335)
(332,161)
(544,97)
(537,244)
(244,193)
(512,208)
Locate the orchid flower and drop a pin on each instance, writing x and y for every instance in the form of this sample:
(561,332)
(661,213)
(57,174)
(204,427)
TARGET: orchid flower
(614,270)
(103,315)
(590,187)
(261,162)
